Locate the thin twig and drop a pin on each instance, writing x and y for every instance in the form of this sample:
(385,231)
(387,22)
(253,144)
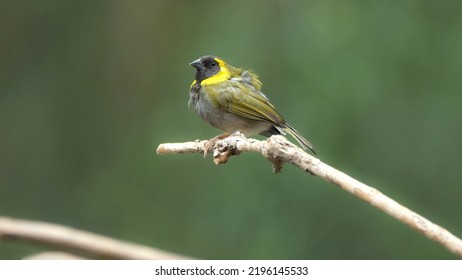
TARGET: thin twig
(78,241)
(278,150)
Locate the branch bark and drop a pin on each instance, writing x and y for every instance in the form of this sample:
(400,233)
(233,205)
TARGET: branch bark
(279,150)
(79,242)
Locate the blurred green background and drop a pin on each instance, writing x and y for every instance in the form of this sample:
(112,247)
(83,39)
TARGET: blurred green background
(88,89)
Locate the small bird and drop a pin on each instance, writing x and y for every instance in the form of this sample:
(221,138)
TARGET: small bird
(230,99)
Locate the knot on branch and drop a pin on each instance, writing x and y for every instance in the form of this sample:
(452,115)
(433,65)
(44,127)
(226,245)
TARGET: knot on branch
(223,150)
(277,150)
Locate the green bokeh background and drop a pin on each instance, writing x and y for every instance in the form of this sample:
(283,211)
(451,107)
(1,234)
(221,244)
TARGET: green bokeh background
(88,89)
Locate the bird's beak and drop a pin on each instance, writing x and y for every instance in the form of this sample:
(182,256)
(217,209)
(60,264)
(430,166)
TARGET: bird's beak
(196,63)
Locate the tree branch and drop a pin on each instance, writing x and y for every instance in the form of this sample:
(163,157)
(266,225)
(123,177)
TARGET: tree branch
(278,150)
(78,241)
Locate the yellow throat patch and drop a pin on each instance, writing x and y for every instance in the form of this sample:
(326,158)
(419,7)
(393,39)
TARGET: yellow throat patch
(221,76)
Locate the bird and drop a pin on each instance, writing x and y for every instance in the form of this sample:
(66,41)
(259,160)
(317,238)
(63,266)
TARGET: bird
(230,99)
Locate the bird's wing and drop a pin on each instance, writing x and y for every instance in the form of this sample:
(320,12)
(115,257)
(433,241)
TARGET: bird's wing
(245,101)
(250,79)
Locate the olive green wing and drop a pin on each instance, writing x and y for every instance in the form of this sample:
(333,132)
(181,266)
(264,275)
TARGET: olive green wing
(245,101)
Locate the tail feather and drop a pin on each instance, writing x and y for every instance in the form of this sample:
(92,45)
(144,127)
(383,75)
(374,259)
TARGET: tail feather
(300,139)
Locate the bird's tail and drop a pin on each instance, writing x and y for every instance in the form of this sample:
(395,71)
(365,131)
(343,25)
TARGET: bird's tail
(300,139)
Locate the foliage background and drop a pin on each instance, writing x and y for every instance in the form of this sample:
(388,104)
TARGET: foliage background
(88,89)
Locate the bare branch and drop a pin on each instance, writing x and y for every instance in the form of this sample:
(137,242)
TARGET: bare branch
(77,241)
(54,256)
(278,150)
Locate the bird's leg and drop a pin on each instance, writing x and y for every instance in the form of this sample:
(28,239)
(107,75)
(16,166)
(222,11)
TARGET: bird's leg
(237,133)
(209,145)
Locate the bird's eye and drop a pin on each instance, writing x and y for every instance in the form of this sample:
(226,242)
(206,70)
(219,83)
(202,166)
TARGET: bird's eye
(213,63)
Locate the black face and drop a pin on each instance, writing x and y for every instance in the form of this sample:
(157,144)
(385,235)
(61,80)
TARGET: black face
(206,67)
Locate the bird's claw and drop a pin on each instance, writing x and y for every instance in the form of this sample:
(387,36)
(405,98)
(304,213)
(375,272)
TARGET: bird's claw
(211,142)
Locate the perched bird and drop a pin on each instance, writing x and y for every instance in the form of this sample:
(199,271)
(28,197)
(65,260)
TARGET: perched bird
(230,99)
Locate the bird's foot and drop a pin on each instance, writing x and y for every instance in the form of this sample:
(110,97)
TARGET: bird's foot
(237,133)
(209,145)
